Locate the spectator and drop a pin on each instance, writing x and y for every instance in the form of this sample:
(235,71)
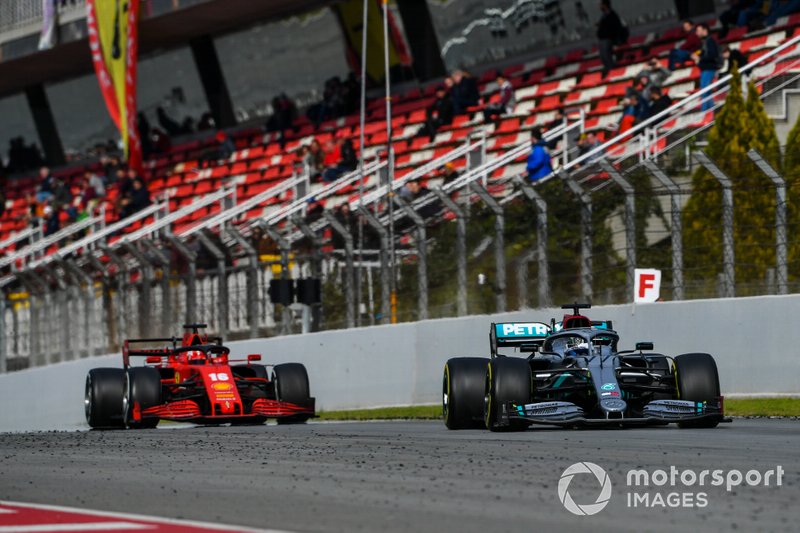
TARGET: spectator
(691,44)
(284,112)
(137,199)
(348,161)
(539,165)
(733,57)
(96,183)
(88,197)
(226,147)
(609,33)
(730,17)
(50,222)
(314,157)
(346,219)
(450,174)
(752,16)
(709,61)
(172,128)
(44,190)
(586,143)
(781,8)
(440,113)
(659,101)
(656,75)
(629,104)
(504,101)
(465,91)
(62,199)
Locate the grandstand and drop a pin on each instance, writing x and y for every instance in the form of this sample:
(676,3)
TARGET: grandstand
(199,207)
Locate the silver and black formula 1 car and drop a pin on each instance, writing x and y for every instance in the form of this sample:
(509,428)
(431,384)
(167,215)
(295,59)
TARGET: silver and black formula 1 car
(574,375)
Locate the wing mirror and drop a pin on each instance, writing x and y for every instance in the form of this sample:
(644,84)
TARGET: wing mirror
(253,357)
(153,360)
(644,346)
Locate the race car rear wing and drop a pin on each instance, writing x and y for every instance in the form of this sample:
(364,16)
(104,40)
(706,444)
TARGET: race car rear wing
(526,336)
(127,352)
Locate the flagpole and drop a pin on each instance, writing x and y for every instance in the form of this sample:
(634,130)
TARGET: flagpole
(361,140)
(390,158)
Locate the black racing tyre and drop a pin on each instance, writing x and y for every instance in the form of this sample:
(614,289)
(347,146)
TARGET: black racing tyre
(105,388)
(291,385)
(142,386)
(508,379)
(462,392)
(698,381)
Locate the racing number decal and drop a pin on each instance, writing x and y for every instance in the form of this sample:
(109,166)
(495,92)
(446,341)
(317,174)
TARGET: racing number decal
(218,376)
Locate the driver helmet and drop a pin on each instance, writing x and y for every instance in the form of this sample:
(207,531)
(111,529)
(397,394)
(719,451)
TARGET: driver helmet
(581,348)
(195,357)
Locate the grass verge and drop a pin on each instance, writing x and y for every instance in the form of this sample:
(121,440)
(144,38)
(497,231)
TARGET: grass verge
(762,406)
(733,407)
(418,412)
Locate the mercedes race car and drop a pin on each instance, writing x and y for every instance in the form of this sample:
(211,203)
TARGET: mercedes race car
(194,381)
(572,374)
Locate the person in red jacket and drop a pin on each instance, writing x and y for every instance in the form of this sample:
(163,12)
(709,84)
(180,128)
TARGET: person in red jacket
(691,45)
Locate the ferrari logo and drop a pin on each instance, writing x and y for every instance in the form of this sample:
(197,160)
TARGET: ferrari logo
(177,377)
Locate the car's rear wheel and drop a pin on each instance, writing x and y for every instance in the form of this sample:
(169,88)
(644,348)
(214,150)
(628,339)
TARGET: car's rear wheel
(142,391)
(508,379)
(105,388)
(698,381)
(291,386)
(462,392)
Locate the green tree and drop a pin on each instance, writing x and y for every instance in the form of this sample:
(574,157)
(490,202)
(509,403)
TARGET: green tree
(739,127)
(791,172)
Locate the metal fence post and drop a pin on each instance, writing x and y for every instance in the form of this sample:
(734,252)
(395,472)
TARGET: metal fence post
(349,280)
(461,250)
(62,348)
(676,231)
(222,282)
(422,257)
(499,244)
(159,257)
(123,281)
(83,282)
(587,275)
(522,277)
(252,279)
(316,265)
(191,277)
(383,235)
(108,319)
(780,220)
(541,240)
(630,225)
(145,298)
(285,248)
(728,257)
(3,334)
(43,316)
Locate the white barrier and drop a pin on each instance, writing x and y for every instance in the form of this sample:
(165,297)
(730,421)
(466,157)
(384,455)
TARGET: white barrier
(753,339)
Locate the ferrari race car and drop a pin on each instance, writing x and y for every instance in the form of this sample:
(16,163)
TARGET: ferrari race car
(194,382)
(574,375)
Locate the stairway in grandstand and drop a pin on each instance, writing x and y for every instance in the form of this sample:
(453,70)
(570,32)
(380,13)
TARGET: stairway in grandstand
(263,178)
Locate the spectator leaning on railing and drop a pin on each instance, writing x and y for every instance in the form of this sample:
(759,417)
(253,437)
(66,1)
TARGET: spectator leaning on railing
(539,164)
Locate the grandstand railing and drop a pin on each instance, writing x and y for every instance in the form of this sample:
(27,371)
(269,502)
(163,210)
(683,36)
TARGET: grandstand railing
(32,233)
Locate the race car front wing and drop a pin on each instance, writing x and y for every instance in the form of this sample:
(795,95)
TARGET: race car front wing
(658,412)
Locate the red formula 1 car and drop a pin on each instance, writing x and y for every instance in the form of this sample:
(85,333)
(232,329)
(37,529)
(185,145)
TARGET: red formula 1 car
(194,382)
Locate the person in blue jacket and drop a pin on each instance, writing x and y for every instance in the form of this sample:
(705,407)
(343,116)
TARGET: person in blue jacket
(539,164)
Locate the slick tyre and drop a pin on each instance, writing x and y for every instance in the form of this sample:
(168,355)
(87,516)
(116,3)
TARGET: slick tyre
(462,392)
(508,379)
(291,385)
(105,388)
(697,381)
(142,391)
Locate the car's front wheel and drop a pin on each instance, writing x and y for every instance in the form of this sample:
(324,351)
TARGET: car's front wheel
(291,386)
(698,381)
(508,380)
(142,391)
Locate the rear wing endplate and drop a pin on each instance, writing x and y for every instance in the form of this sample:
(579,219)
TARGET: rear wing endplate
(522,335)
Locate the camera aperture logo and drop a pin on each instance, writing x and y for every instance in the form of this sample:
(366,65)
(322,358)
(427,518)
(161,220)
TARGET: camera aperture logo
(585,509)
(663,488)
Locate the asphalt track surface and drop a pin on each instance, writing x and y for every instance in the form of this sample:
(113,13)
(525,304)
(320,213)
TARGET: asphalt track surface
(402,476)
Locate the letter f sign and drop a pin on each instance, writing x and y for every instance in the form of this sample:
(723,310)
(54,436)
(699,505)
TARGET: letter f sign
(648,285)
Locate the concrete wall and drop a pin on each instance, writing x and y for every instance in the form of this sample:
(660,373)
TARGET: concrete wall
(754,340)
